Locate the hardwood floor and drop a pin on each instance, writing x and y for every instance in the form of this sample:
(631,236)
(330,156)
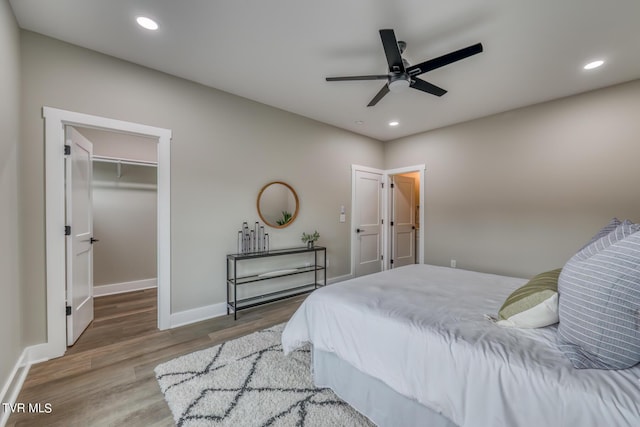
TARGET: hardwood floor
(107,378)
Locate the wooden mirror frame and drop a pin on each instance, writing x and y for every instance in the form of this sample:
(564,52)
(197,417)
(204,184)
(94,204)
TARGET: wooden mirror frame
(295,196)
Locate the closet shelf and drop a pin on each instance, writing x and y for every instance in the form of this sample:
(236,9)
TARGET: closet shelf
(122,161)
(275,274)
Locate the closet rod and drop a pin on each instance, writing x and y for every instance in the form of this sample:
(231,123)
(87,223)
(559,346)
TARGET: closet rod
(124,161)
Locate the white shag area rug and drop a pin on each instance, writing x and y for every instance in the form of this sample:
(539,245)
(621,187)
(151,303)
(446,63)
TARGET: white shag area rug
(250,382)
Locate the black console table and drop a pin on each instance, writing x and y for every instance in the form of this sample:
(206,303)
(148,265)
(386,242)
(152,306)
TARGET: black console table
(311,272)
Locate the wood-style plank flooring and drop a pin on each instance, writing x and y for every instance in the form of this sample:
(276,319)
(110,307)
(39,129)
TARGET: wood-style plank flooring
(107,378)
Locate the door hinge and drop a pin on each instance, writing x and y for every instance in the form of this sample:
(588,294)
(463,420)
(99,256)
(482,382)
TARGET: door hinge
(382,184)
(391,262)
(382,221)
(392,185)
(392,223)
(67,230)
(68,310)
(381,257)
(67,150)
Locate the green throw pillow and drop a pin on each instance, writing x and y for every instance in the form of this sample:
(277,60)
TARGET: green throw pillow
(533,305)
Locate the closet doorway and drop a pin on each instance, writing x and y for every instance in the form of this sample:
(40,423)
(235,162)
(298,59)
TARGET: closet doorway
(124,211)
(404,218)
(56,121)
(122,218)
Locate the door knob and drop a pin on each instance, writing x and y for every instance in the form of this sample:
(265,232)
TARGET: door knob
(92,240)
(358,230)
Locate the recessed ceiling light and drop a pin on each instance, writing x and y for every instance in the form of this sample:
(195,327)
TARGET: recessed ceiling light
(594,64)
(394,123)
(147,23)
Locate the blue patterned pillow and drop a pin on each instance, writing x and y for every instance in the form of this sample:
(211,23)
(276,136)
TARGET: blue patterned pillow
(623,230)
(612,225)
(599,304)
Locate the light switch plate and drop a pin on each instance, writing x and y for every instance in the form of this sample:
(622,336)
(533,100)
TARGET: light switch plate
(343,217)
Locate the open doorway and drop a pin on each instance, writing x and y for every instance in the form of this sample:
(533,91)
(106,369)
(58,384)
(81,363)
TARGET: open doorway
(56,120)
(404,222)
(373,240)
(123,218)
(407,241)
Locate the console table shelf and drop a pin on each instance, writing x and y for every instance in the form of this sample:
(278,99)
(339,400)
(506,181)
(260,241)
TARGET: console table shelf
(316,265)
(256,278)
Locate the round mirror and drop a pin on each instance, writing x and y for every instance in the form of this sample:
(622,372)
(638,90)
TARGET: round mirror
(277,204)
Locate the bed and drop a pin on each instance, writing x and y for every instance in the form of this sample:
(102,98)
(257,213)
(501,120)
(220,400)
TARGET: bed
(412,346)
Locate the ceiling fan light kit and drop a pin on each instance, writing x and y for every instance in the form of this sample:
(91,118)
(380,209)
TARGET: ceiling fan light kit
(402,75)
(398,83)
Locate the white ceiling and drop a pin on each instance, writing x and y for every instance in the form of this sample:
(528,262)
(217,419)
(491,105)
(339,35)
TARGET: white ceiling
(278,52)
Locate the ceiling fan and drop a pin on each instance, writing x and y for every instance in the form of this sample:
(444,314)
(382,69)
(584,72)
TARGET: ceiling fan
(402,75)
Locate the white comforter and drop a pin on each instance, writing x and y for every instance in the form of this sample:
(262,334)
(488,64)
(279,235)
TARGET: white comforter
(421,330)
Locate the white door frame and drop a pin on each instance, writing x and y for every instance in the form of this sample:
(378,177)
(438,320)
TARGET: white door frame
(55,122)
(388,207)
(386,203)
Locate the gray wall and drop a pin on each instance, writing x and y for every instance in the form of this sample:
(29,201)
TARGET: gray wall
(518,193)
(224,149)
(11,342)
(124,222)
(121,146)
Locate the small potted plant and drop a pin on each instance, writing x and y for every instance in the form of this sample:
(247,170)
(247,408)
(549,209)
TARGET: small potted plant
(309,239)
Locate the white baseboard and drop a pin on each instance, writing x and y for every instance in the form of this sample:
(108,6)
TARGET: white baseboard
(40,353)
(199,314)
(119,288)
(337,279)
(13,385)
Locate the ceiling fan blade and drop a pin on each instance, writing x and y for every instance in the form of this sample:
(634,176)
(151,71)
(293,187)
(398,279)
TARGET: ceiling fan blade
(420,84)
(373,77)
(379,95)
(443,60)
(391,49)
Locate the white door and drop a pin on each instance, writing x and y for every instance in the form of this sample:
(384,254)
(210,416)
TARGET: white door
(403,226)
(79,218)
(367,222)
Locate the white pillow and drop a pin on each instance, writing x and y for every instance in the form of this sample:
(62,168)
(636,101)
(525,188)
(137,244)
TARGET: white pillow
(534,305)
(541,315)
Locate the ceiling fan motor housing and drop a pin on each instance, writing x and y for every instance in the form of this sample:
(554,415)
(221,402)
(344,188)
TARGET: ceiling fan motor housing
(399,82)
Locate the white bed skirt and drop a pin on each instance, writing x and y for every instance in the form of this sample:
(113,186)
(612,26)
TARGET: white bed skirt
(370,396)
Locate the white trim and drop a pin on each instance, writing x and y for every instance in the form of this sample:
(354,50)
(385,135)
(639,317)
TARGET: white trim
(337,279)
(122,287)
(406,169)
(55,122)
(37,353)
(13,385)
(199,314)
(187,317)
(355,168)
